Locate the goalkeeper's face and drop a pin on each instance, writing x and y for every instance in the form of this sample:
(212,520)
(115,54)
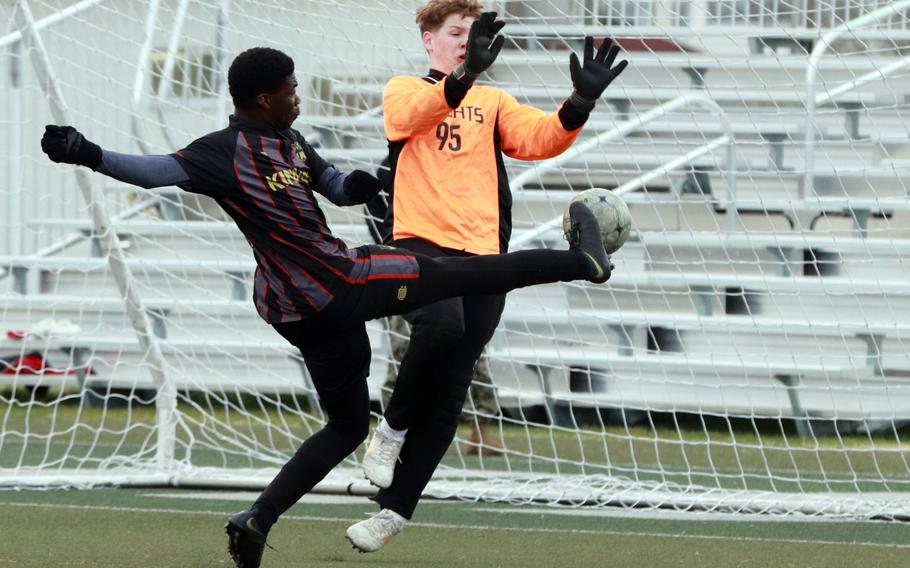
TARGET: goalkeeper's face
(446,45)
(282,106)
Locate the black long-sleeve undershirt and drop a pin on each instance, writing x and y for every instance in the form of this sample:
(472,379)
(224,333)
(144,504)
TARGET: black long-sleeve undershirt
(161,170)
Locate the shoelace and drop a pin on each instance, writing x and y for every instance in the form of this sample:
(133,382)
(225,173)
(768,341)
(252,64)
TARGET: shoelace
(574,234)
(385,451)
(385,525)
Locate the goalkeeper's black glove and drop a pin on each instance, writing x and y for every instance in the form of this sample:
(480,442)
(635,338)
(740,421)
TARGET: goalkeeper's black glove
(65,144)
(482,48)
(592,77)
(361,186)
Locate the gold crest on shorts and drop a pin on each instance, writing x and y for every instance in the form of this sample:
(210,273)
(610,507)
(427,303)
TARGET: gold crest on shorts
(402,293)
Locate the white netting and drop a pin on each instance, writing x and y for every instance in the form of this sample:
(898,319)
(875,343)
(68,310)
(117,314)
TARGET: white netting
(748,354)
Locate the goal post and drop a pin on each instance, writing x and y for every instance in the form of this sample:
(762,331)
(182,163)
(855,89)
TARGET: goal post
(749,354)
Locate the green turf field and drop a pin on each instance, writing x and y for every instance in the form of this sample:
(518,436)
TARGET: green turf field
(161,527)
(183,527)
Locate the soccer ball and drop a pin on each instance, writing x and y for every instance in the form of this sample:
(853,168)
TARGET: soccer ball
(612,215)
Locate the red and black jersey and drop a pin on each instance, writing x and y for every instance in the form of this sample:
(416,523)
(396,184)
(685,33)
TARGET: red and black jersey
(265,180)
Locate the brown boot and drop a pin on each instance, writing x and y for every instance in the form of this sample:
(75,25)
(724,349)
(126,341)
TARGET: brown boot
(483,442)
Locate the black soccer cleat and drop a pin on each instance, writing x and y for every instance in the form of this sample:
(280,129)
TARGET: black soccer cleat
(245,541)
(585,236)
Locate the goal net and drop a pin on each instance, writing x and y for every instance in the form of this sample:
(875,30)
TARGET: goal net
(748,355)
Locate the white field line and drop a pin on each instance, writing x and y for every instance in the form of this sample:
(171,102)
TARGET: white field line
(463,527)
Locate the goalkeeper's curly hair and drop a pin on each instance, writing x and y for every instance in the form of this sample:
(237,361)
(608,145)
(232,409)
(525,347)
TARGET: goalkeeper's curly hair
(255,71)
(431,16)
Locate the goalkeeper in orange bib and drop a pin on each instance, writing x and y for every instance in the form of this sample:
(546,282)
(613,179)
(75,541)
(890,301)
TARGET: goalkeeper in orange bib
(309,285)
(451,200)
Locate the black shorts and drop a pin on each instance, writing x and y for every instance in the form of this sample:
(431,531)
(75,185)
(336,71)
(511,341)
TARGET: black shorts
(391,287)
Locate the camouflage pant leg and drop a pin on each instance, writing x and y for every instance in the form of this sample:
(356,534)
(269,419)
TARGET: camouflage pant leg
(482,396)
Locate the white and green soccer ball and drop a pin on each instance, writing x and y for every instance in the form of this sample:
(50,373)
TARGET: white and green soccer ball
(612,215)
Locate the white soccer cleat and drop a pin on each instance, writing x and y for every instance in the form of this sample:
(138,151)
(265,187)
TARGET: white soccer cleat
(382,454)
(370,535)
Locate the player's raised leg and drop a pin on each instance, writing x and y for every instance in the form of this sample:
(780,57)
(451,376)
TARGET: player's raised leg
(440,278)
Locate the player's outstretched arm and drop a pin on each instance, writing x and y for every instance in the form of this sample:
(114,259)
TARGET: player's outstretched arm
(409,110)
(481,50)
(354,188)
(484,45)
(592,77)
(361,187)
(66,145)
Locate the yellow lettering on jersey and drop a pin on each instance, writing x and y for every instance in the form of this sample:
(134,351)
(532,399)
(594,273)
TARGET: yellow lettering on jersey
(281,179)
(275,182)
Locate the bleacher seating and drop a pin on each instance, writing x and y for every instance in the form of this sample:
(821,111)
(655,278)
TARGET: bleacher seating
(683,289)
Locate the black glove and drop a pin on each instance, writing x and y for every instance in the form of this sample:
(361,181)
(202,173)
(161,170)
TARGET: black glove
(482,48)
(361,186)
(598,71)
(65,144)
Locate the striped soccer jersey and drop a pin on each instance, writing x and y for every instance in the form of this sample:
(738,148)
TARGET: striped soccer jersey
(265,180)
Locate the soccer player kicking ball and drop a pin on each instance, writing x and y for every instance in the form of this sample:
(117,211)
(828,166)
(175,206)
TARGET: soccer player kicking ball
(314,290)
(451,198)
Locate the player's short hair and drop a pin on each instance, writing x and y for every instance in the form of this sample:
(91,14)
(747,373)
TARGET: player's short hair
(255,71)
(431,16)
